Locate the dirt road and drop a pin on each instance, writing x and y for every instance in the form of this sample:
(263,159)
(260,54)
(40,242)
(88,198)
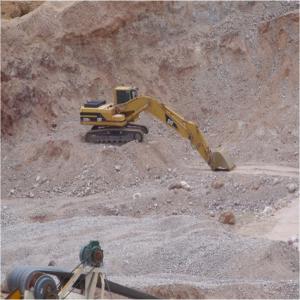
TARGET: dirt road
(273,170)
(261,169)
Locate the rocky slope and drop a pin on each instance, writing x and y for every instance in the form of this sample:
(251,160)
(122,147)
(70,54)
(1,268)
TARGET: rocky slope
(230,67)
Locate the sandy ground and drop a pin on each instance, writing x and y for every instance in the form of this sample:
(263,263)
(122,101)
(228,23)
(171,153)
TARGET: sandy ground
(283,225)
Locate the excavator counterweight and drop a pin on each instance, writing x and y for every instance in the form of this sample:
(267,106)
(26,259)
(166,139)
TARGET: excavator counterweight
(114,123)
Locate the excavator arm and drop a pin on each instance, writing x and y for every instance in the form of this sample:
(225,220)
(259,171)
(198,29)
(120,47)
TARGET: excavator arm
(187,129)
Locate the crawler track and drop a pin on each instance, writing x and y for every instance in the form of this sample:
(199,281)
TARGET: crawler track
(116,135)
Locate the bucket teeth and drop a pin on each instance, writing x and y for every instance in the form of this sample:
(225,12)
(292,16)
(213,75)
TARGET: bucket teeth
(220,161)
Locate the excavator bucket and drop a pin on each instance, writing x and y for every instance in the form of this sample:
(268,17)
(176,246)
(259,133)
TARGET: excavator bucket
(220,161)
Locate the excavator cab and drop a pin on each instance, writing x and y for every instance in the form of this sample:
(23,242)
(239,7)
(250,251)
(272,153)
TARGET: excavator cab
(124,94)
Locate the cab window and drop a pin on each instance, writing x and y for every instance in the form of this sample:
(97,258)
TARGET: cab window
(123,96)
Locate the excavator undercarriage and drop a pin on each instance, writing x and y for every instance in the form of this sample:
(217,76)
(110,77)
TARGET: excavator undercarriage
(116,135)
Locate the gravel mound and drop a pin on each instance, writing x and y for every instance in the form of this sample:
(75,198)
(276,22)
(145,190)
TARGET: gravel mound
(165,249)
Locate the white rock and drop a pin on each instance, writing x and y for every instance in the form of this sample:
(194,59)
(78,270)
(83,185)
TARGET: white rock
(30,194)
(180,185)
(294,241)
(292,187)
(12,191)
(185,185)
(268,211)
(155,205)
(136,196)
(276,181)
(217,184)
(118,168)
(212,214)
(37,179)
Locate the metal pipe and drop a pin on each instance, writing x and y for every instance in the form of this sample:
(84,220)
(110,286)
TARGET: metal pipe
(64,276)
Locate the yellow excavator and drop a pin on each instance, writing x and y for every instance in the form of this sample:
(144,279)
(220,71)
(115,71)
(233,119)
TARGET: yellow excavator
(114,123)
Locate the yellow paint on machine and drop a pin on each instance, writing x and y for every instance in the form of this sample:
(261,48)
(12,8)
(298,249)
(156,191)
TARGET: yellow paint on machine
(127,107)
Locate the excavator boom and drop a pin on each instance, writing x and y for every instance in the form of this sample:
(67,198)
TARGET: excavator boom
(187,129)
(114,122)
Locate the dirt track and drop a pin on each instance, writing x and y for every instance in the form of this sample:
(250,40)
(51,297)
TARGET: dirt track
(230,67)
(261,169)
(268,170)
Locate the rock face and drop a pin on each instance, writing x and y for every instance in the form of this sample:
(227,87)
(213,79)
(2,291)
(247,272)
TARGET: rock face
(218,57)
(14,9)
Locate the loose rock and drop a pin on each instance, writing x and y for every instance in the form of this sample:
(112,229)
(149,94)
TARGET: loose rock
(180,185)
(292,187)
(137,196)
(268,211)
(30,195)
(227,218)
(294,241)
(52,263)
(217,184)
(212,214)
(256,186)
